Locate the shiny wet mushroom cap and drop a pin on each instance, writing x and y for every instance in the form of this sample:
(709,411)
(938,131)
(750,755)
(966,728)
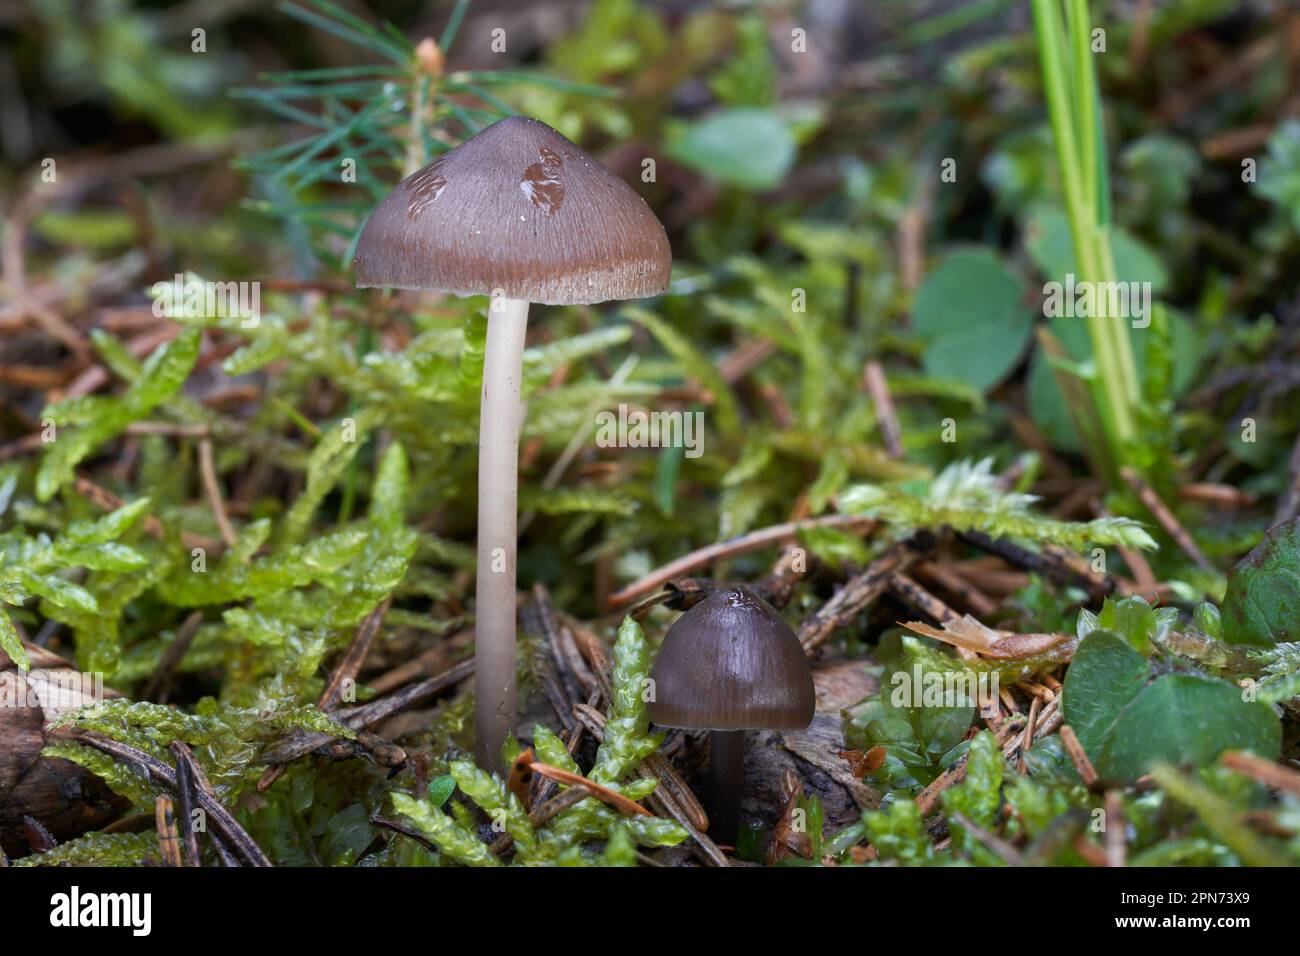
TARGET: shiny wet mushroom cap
(727,665)
(522,209)
(732,663)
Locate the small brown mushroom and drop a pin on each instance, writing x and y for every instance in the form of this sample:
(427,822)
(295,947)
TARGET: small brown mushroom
(731,664)
(520,213)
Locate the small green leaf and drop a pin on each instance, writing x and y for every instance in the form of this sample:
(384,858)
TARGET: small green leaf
(1262,603)
(1107,673)
(748,147)
(441,789)
(392,487)
(60,593)
(1187,719)
(1127,726)
(971,310)
(110,527)
(11,643)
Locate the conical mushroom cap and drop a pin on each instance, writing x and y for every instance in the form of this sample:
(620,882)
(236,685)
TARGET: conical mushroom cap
(521,209)
(732,663)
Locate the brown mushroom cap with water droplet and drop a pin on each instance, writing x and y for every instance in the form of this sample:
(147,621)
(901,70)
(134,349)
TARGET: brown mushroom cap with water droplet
(732,663)
(522,209)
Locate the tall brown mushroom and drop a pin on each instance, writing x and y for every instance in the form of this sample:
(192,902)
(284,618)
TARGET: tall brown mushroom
(520,213)
(730,664)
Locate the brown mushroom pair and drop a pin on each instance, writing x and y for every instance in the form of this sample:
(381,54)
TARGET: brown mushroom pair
(730,664)
(519,213)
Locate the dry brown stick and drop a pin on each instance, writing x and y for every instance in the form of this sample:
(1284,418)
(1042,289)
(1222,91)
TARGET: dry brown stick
(560,650)
(678,790)
(350,666)
(743,359)
(558,804)
(928,604)
(105,500)
(1289,504)
(928,798)
(571,681)
(1166,519)
(592,651)
(208,474)
(858,592)
(1043,562)
(723,550)
(169,845)
(1049,719)
(1216,495)
(185,798)
(1092,854)
(543,812)
(560,687)
(1267,772)
(404,830)
(1076,501)
(160,681)
(873,377)
(672,788)
(20,446)
(914,594)
(347,669)
(372,713)
(173,429)
(980,604)
(990,841)
(231,832)
(575,662)
(599,791)
(427,664)
(300,743)
(382,752)
(1031,726)
(198,786)
(1080,757)
(1116,842)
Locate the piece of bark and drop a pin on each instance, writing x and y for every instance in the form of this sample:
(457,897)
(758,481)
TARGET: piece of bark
(61,796)
(812,753)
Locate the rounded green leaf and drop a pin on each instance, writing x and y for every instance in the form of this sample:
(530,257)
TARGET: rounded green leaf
(1186,719)
(971,310)
(1107,673)
(1262,603)
(749,147)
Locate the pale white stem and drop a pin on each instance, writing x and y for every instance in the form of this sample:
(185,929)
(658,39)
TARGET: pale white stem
(498,475)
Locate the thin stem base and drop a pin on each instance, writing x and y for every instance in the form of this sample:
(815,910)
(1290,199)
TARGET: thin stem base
(724,782)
